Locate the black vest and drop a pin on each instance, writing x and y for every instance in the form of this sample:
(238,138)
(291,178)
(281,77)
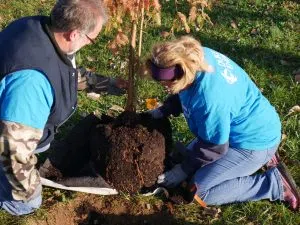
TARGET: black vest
(27,43)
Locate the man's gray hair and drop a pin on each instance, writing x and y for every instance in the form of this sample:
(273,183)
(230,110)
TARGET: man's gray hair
(68,15)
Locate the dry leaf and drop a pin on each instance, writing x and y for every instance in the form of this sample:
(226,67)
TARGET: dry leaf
(182,18)
(151,103)
(157,19)
(156,5)
(93,69)
(212,211)
(254,31)
(192,14)
(233,24)
(117,108)
(283,137)
(294,109)
(93,95)
(113,47)
(97,113)
(90,59)
(121,39)
(148,206)
(165,34)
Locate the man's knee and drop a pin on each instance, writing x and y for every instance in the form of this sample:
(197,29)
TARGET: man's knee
(19,208)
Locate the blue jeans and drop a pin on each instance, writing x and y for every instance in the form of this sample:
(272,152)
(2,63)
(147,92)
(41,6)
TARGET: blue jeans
(232,179)
(12,206)
(17,207)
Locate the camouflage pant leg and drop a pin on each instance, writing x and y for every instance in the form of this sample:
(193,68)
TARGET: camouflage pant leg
(14,207)
(17,143)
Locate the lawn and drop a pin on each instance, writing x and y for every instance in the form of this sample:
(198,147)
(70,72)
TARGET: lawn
(261,36)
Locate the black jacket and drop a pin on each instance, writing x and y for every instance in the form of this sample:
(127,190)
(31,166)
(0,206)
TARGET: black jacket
(27,43)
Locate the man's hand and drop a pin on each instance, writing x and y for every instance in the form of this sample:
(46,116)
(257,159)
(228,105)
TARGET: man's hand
(172,177)
(99,83)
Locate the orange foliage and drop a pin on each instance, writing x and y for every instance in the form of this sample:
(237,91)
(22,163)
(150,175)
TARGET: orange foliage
(131,9)
(151,103)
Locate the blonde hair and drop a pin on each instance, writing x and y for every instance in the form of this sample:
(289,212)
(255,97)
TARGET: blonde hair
(184,51)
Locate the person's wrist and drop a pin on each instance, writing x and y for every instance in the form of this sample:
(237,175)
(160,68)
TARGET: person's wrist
(112,81)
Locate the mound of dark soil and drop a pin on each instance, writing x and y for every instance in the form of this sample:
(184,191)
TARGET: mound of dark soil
(128,152)
(132,151)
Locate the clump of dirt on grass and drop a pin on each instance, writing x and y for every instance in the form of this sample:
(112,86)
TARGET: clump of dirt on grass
(131,150)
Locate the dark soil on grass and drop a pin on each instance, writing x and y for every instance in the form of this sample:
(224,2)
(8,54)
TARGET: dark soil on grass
(87,209)
(129,152)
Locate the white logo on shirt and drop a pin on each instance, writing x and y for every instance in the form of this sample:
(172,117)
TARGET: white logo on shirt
(230,78)
(186,112)
(224,62)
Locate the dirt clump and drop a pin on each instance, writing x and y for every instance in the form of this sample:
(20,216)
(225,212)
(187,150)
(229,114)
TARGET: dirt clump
(127,152)
(132,151)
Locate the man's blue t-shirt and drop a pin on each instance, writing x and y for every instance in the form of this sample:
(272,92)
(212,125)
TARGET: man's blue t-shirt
(26,97)
(225,105)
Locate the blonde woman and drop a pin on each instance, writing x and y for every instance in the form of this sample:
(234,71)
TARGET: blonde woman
(237,130)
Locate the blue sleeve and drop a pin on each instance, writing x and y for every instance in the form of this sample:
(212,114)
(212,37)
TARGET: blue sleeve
(26,97)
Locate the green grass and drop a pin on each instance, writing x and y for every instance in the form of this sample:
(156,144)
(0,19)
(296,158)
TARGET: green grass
(269,56)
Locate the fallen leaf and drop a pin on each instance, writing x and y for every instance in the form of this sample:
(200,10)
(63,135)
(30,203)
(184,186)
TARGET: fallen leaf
(151,103)
(294,109)
(148,206)
(233,24)
(183,20)
(192,14)
(165,34)
(93,69)
(90,59)
(97,113)
(117,108)
(254,31)
(283,137)
(157,19)
(212,211)
(93,95)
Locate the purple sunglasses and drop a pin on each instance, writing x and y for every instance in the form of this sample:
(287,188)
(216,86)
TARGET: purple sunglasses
(165,74)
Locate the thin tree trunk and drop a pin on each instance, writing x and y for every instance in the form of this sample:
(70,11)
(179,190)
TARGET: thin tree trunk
(131,106)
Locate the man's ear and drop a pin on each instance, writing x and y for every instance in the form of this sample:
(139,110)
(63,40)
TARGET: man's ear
(72,35)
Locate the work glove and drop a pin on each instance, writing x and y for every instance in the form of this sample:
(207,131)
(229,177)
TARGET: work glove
(156,113)
(99,83)
(172,177)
